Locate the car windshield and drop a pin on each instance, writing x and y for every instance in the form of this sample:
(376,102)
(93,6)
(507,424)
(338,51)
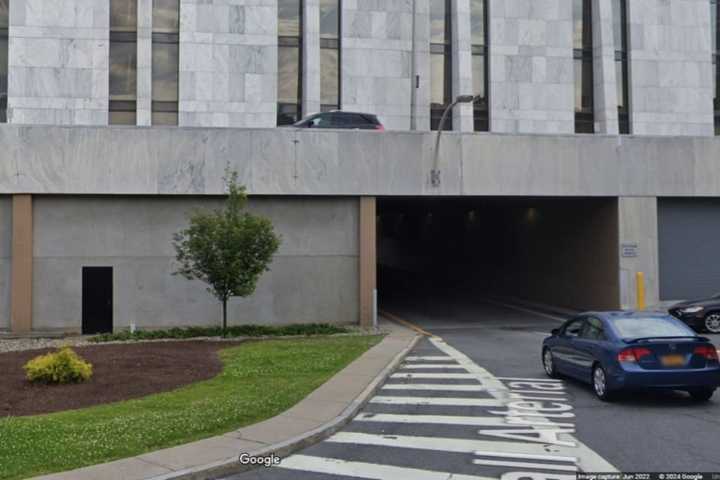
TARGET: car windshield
(634,327)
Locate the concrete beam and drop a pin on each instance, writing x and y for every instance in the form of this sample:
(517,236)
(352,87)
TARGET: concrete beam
(22,264)
(368,260)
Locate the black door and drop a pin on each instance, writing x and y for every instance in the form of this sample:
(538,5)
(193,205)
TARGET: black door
(97,300)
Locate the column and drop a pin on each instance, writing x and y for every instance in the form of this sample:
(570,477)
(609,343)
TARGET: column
(462,82)
(420,78)
(311,57)
(638,248)
(604,83)
(21,264)
(144,62)
(368,254)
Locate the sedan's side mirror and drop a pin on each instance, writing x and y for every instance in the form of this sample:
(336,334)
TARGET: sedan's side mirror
(555,331)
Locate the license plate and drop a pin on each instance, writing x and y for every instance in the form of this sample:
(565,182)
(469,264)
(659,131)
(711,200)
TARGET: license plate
(673,360)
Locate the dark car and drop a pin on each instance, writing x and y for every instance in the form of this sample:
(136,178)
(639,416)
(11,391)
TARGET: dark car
(702,315)
(616,351)
(341,119)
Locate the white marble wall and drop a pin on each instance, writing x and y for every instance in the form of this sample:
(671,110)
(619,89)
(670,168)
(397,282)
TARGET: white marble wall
(604,83)
(228,63)
(671,67)
(377,59)
(58,62)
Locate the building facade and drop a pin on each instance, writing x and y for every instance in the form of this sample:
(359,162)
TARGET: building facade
(119,116)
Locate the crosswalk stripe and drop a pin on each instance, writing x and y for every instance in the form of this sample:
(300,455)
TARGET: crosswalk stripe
(435,375)
(429,358)
(455,445)
(433,419)
(434,386)
(533,466)
(455,402)
(371,471)
(515,379)
(433,366)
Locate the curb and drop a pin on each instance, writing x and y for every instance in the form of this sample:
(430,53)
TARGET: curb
(231,466)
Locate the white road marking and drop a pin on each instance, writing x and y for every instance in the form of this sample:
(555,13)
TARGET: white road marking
(539,380)
(432,419)
(429,357)
(432,366)
(444,387)
(588,460)
(455,376)
(441,401)
(373,471)
(550,458)
(526,465)
(454,445)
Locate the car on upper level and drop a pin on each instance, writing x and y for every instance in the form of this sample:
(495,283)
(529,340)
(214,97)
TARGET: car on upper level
(616,351)
(702,315)
(342,120)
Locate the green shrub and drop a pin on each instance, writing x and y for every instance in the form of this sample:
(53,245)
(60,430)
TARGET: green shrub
(64,366)
(236,331)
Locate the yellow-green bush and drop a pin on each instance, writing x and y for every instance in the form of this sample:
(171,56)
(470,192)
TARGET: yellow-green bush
(64,366)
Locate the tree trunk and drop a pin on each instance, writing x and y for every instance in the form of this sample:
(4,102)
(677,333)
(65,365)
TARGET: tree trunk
(224,320)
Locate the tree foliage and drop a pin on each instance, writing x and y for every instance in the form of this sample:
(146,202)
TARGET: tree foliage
(228,249)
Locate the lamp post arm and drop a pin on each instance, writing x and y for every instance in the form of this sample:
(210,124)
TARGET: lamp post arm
(435,173)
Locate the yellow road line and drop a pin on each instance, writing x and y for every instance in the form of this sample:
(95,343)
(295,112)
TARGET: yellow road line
(402,321)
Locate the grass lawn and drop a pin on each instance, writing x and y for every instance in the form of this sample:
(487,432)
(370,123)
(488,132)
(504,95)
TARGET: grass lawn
(259,380)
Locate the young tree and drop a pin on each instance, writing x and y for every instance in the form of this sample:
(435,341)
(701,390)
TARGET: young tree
(227,248)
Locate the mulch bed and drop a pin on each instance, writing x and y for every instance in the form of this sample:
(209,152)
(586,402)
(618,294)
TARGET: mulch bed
(120,372)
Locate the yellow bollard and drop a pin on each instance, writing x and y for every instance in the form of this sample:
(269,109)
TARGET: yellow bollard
(640,284)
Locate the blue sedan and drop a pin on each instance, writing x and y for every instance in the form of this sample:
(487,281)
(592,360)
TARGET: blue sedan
(632,350)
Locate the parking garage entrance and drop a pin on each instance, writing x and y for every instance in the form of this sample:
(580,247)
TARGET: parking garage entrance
(557,251)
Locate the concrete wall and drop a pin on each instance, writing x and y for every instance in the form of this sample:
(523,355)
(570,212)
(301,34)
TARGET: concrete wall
(671,71)
(58,62)
(183,161)
(566,254)
(228,63)
(637,221)
(376,59)
(5,243)
(133,235)
(531,66)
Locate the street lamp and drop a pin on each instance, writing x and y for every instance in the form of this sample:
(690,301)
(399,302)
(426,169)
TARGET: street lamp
(435,172)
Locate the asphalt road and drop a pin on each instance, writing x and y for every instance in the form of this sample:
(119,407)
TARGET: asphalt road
(440,415)
(638,432)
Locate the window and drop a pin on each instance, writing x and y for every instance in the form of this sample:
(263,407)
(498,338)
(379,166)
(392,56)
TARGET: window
(330,11)
(715,21)
(165,61)
(440,62)
(593,329)
(583,58)
(479,35)
(123,62)
(620,32)
(634,327)
(289,108)
(574,328)
(4,24)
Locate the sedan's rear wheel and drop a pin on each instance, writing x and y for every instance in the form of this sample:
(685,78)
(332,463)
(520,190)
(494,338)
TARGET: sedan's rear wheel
(702,394)
(600,384)
(712,322)
(549,363)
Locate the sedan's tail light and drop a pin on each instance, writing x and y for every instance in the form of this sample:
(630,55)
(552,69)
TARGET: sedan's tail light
(709,352)
(634,354)
(379,128)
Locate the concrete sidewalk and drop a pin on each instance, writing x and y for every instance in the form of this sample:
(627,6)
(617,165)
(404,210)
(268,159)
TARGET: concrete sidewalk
(320,414)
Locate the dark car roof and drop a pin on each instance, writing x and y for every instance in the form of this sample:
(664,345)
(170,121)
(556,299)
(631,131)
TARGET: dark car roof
(703,302)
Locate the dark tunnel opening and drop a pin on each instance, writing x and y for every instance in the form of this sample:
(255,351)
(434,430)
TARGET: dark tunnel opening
(561,252)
